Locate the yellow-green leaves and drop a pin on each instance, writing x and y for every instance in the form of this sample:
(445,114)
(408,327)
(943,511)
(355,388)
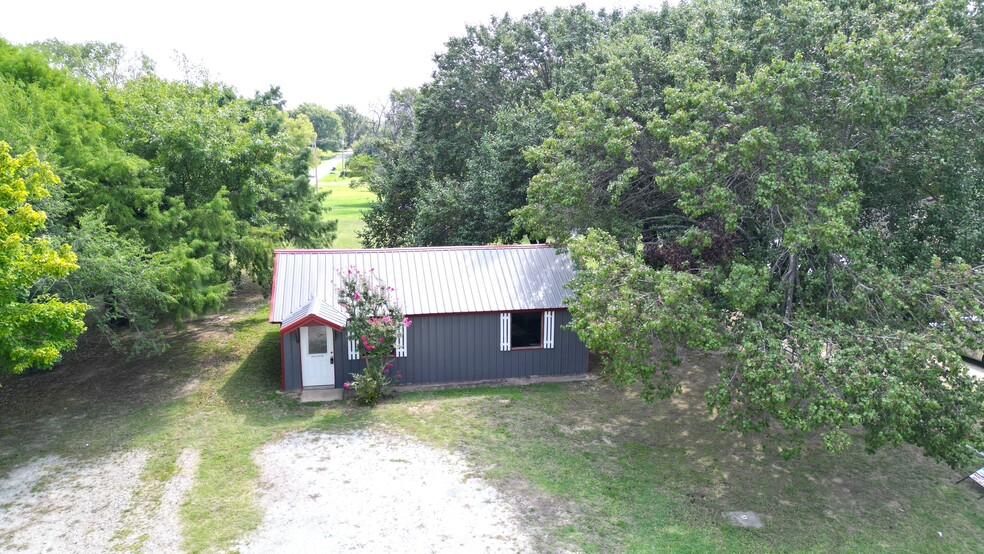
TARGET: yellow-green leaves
(34,327)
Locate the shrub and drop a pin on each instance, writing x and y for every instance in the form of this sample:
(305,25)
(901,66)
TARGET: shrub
(376,319)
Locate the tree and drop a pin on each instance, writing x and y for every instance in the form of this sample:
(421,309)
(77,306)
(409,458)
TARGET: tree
(356,125)
(397,175)
(171,191)
(328,125)
(231,182)
(476,209)
(37,326)
(393,120)
(106,64)
(302,134)
(779,172)
(126,287)
(457,169)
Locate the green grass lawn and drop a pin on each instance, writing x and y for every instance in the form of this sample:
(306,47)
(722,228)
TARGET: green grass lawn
(593,467)
(345,204)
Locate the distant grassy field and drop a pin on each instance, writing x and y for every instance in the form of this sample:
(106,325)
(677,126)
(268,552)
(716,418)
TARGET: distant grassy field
(346,205)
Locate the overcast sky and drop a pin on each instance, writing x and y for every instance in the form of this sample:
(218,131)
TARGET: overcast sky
(326,52)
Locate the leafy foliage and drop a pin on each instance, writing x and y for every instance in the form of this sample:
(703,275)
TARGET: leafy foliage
(376,320)
(106,64)
(791,162)
(36,326)
(327,124)
(457,175)
(127,287)
(355,125)
(665,308)
(172,190)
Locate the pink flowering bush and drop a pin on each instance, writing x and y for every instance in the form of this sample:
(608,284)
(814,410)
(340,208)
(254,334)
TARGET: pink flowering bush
(375,321)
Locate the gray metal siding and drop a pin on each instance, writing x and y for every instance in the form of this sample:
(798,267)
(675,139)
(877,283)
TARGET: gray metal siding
(465,347)
(292,360)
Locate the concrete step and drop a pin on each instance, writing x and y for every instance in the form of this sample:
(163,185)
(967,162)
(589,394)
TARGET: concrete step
(321,394)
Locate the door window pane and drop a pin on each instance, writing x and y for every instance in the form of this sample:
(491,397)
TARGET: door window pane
(317,340)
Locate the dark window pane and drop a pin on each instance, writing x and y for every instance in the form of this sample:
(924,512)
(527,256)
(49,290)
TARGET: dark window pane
(317,340)
(527,329)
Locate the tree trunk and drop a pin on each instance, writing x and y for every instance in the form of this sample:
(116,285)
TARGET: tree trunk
(790,279)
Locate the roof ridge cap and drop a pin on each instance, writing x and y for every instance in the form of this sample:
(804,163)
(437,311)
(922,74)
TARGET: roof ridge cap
(413,249)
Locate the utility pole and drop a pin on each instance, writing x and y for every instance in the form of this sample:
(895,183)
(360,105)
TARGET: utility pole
(314,156)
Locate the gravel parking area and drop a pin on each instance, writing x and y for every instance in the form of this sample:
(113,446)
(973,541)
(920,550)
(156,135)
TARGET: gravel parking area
(374,492)
(65,506)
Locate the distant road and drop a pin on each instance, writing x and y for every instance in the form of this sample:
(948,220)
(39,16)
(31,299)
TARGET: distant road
(326,166)
(976,369)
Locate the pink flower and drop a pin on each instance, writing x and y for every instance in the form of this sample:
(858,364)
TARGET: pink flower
(389,365)
(363,337)
(386,371)
(398,376)
(406,322)
(380,341)
(387,319)
(345,385)
(358,296)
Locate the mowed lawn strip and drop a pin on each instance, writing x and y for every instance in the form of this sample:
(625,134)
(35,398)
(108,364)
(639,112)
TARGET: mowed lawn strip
(592,467)
(346,204)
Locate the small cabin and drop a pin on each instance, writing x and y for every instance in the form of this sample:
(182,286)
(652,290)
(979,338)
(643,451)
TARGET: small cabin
(479,313)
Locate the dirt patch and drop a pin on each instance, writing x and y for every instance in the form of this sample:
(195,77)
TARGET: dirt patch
(57,505)
(375,492)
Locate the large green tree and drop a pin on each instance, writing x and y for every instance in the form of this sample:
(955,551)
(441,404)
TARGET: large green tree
(457,176)
(799,183)
(355,125)
(36,325)
(327,124)
(171,190)
(229,177)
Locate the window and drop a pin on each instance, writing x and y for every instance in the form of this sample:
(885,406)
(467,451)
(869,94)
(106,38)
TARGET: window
(317,340)
(526,330)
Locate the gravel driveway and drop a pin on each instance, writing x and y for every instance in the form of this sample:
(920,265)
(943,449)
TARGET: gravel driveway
(320,492)
(374,492)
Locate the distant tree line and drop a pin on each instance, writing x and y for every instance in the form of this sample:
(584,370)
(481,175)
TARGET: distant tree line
(797,183)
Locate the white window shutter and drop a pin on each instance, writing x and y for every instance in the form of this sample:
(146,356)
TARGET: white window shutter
(505,330)
(548,329)
(401,342)
(353,347)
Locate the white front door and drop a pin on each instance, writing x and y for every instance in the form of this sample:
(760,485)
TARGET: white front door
(317,356)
